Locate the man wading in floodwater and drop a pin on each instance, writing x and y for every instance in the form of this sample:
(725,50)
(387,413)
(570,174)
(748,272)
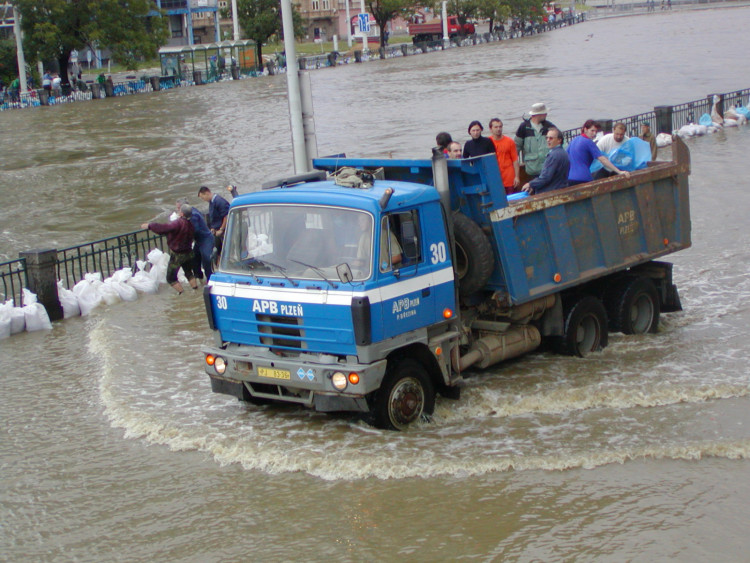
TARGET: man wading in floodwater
(180,243)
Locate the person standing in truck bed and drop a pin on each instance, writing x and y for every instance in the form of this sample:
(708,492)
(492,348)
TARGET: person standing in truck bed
(531,140)
(582,151)
(478,145)
(507,156)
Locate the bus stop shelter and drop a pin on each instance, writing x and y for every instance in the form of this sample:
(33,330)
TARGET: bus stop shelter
(208,61)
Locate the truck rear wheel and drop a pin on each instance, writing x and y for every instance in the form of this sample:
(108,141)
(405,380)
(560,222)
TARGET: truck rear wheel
(585,327)
(633,306)
(474,258)
(405,396)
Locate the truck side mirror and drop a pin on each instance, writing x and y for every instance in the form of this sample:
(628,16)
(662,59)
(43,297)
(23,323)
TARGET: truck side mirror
(344,272)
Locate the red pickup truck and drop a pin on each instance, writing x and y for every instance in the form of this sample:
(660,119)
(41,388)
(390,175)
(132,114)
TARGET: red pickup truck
(433,30)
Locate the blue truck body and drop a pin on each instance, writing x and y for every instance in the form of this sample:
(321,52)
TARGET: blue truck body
(374,294)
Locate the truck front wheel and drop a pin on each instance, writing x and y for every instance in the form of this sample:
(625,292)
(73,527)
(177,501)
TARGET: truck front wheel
(405,396)
(585,327)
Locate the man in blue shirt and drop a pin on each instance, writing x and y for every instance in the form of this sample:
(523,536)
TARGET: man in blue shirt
(218,209)
(582,151)
(554,174)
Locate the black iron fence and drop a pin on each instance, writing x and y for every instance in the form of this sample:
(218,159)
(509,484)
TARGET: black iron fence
(667,119)
(71,264)
(13,279)
(106,255)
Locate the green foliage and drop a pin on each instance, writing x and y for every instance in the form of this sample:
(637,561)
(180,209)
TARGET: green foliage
(384,11)
(8,60)
(495,10)
(260,21)
(131,29)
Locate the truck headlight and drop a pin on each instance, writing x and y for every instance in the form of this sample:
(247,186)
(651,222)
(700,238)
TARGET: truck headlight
(339,381)
(220,365)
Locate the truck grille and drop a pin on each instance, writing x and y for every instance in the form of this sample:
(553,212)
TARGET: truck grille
(282,332)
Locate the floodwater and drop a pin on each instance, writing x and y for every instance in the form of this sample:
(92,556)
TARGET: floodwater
(114,448)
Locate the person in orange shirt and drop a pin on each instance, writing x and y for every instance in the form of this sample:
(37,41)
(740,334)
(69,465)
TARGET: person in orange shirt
(507,156)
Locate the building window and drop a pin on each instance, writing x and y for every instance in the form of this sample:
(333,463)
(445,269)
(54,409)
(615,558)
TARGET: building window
(315,5)
(326,5)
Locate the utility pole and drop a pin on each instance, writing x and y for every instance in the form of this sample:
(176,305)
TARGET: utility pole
(19,50)
(293,91)
(235,21)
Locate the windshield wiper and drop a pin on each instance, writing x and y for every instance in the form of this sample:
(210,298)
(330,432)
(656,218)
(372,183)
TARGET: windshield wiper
(276,267)
(314,269)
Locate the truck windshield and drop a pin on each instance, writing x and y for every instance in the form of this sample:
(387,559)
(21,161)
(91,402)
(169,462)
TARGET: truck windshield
(297,241)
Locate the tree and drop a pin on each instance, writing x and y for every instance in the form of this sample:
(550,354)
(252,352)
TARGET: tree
(8,61)
(493,10)
(261,19)
(465,10)
(52,29)
(384,11)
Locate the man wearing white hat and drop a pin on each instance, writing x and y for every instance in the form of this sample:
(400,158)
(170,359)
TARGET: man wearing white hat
(531,139)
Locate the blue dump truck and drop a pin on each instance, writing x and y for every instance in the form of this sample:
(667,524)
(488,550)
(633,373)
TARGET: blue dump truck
(371,285)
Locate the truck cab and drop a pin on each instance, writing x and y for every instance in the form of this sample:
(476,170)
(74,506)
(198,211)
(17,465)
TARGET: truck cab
(319,283)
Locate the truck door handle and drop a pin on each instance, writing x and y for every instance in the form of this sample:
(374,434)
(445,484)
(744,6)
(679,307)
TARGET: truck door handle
(426,292)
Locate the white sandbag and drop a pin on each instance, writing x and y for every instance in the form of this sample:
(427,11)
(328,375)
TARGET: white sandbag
(4,321)
(663,140)
(159,262)
(701,130)
(123,275)
(17,318)
(87,295)
(731,114)
(68,300)
(109,294)
(730,122)
(123,290)
(4,325)
(687,130)
(143,282)
(35,315)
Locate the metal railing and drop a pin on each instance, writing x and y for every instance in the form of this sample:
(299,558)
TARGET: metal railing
(13,279)
(689,112)
(106,255)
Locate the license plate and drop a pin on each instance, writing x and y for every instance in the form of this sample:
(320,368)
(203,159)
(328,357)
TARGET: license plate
(273,373)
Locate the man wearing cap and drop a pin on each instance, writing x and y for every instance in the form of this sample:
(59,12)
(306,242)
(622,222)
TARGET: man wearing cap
(531,139)
(648,136)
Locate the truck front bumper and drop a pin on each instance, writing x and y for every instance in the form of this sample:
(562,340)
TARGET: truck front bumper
(260,374)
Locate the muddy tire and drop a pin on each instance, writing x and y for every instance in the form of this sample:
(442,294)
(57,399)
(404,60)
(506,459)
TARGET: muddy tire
(585,329)
(406,396)
(474,258)
(633,306)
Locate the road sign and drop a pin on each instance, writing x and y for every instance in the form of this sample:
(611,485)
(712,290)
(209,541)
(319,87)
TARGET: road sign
(364,23)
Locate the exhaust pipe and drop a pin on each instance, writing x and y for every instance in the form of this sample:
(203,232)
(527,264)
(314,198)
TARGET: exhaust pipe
(495,348)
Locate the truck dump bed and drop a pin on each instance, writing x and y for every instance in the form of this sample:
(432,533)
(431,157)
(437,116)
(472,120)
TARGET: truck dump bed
(553,241)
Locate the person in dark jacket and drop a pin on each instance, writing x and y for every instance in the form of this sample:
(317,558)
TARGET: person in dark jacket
(204,242)
(477,145)
(554,175)
(218,209)
(180,243)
